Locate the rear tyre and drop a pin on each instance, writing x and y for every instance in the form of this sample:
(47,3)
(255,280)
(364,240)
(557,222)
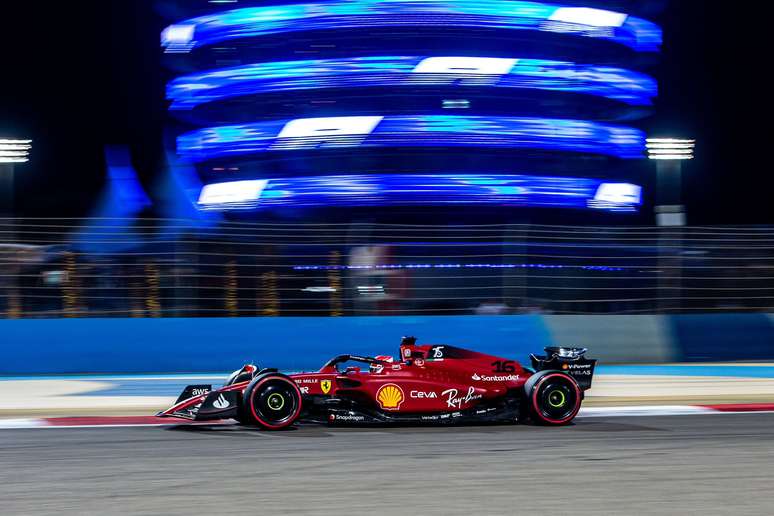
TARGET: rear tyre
(272,401)
(554,398)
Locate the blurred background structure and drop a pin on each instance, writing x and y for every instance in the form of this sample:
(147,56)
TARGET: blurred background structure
(113,50)
(394,110)
(169,268)
(385,157)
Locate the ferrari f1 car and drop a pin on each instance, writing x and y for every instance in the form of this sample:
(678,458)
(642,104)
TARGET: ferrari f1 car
(427,385)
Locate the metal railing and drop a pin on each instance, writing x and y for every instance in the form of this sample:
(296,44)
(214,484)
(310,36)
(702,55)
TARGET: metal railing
(175,268)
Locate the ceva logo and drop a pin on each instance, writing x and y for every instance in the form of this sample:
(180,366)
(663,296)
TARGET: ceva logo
(424,395)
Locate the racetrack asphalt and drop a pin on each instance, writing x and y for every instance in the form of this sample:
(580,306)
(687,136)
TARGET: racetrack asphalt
(708,464)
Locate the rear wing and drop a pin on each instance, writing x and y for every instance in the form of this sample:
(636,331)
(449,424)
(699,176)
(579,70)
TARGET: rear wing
(568,360)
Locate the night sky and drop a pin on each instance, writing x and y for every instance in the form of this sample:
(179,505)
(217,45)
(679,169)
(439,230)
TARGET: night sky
(71,92)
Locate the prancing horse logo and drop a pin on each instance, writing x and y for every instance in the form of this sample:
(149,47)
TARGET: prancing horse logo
(326,386)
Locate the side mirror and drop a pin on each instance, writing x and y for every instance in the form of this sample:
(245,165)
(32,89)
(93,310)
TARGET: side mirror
(408,341)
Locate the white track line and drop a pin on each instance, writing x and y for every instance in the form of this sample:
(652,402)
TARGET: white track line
(13,424)
(586,413)
(649,410)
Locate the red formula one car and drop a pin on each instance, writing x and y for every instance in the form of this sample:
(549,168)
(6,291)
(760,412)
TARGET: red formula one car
(428,385)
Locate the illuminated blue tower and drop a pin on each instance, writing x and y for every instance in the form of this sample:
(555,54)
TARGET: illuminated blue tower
(386,103)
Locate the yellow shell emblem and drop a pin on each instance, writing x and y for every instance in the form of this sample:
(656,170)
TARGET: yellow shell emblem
(390,397)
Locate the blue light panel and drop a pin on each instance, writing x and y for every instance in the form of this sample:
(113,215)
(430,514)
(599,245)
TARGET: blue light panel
(412,131)
(423,190)
(613,83)
(639,34)
(427,266)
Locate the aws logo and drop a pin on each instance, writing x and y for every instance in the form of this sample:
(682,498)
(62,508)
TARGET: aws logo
(390,397)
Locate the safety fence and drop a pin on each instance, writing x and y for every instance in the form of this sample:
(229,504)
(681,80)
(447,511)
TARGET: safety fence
(181,268)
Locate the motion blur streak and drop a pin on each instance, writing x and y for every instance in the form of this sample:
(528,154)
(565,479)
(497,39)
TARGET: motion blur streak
(636,33)
(605,81)
(378,190)
(175,267)
(413,131)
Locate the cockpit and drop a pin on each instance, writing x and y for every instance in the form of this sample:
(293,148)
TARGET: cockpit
(350,364)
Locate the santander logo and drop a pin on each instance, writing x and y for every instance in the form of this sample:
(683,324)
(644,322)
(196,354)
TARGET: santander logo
(496,378)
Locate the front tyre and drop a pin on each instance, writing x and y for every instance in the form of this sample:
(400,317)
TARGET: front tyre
(554,398)
(272,401)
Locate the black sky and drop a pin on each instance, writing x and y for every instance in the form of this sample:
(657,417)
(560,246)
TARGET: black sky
(77,76)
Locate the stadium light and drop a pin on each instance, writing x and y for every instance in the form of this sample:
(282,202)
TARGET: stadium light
(670,154)
(670,149)
(12,152)
(15,151)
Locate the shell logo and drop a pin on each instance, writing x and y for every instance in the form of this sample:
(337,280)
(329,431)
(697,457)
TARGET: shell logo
(390,397)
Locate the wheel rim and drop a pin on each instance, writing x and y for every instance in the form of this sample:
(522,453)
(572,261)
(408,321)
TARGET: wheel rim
(276,402)
(557,399)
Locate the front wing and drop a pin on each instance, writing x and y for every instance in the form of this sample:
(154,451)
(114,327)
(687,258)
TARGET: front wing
(201,403)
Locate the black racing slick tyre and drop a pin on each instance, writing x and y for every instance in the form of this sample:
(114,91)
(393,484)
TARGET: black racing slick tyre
(272,401)
(554,398)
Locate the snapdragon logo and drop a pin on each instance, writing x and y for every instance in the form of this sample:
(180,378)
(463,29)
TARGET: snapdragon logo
(347,418)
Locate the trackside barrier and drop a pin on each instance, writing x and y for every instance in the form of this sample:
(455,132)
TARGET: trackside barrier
(723,337)
(71,346)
